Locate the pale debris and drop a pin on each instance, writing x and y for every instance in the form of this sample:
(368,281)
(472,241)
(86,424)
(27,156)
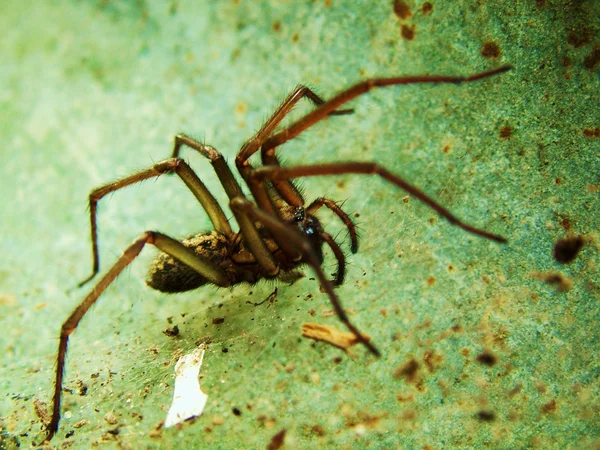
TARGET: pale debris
(331,335)
(188,399)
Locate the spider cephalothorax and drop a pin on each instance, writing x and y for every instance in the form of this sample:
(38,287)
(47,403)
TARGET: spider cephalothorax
(276,233)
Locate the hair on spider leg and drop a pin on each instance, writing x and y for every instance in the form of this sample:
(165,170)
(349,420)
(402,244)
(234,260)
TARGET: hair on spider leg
(278,232)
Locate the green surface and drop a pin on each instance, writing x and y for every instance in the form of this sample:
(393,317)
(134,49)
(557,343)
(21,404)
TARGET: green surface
(91,91)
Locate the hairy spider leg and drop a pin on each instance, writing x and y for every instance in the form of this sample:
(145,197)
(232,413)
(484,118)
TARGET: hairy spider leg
(333,206)
(164,243)
(340,274)
(176,165)
(261,195)
(367,168)
(269,143)
(232,189)
(283,232)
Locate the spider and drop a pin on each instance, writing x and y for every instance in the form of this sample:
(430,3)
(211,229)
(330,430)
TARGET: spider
(277,233)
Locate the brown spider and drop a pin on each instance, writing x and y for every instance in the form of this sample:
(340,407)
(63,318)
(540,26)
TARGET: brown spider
(277,232)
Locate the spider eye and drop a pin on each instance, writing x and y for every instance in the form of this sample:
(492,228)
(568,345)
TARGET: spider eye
(299,214)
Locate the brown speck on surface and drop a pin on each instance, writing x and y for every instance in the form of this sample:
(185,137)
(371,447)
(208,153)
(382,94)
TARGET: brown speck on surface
(407,31)
(409,371)
(236,412)
(276,26)
(402,9)
(277,441)
(591,132)
(550,407)
(580,37)
(450,268)
(432,360)
(486,416)
(241,108)
(490,50)
(430,281)
(561,281)
(592,59)
(218,320)
(80,424)
(172,332)
(41,410)
(487,358)
(566,250)
(446,149)
(505,132)
(110,418)
(295,37)
(427,8)
(340,339)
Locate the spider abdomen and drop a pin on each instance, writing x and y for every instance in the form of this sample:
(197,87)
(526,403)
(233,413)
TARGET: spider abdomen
(167,274)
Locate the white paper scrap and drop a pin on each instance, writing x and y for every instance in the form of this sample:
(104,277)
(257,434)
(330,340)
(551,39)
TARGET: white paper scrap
(188,399)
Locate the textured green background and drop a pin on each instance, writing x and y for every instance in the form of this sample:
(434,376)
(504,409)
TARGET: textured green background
(93,90)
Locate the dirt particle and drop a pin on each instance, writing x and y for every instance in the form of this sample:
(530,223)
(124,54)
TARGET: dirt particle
(402,9)
(408,32)
(277,441)
(427,8)
(487,358)
(276,26)
(430,281)
(446,149)
(591,132)
(561,281)
(172,331)
(218,320)
(566,250)
(490,50)
(409,371)
(236,412)
(592,60)
(549,408)
(505,132)
(486,416)
(579,38)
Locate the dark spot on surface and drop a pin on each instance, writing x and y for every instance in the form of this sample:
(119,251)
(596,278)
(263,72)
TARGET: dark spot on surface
(540,3)
(295,37)
(549,407)
(69,434)
(401,9)
(409,370)
(427,8)
(592,132)
(432,360)
(408,32)
(236,412)
(225,350)
(277,441)
(566,250)
(486,416)
(487,358)
(579,38)
(430,281)
(567,62)
(218,320)
(490,50)
(318,430)
(446,149)
(591,61)
(172,332)
(113,431)
(505,132)
(558,180)
(276,26)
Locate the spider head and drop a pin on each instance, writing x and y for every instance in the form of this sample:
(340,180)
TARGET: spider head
(311,228)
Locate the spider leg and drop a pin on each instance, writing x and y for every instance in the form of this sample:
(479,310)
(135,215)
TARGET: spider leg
(284,233)
(180,167)
(259,193)
(361,88)
(340,274)
(333,206)
(162,242)
(286,188)
(233,190)
(366,168)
